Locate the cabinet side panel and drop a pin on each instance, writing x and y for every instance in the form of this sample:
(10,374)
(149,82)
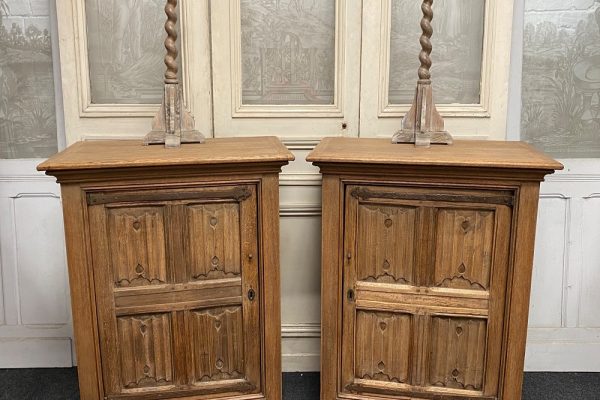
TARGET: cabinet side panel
(82,295)
(520,288)
(271,300)
(330,285)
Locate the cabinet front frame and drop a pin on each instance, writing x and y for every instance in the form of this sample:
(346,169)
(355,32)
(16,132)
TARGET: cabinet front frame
(519,263)
(79,253)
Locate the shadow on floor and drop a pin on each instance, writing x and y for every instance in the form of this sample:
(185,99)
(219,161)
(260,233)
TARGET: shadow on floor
(61,384)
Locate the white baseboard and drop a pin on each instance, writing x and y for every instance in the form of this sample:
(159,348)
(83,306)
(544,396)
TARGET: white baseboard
(35,353)
(563,350)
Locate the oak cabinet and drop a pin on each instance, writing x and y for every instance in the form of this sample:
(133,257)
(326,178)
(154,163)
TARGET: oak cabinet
(180,252)
(427,257)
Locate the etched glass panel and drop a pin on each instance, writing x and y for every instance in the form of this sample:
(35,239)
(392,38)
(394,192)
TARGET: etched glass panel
(125,50)
(561,77)
(288,51)
(27,109)
(457,50)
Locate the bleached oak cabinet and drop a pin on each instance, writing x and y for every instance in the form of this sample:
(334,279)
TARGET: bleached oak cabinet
(426,267)
(174,267)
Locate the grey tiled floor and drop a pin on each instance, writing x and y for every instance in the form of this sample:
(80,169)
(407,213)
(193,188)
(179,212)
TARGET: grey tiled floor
(61,384)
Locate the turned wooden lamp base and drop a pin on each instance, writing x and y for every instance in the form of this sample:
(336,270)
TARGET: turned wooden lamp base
(423,125)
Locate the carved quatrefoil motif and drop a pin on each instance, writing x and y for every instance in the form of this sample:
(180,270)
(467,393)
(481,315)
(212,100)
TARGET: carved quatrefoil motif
(382,326)
(381,366)
(220,364)
(137,225)
(455,374)
(388,222)
(214,221)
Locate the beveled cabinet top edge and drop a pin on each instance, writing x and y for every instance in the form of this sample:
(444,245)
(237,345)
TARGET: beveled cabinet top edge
(119,154)
(463,153)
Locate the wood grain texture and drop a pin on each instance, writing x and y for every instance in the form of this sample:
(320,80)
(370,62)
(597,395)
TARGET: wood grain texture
(213,243)
(161,270)
(470,228)
(107,154)
(137,245)
(463,153)
(464,243)
(383,345)
(386,243)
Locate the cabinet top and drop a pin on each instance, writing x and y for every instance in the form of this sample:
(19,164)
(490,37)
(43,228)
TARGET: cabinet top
(102,154)
(463,153)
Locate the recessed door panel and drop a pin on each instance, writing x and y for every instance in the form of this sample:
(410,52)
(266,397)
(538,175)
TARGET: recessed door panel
(464,244)
(424,273)
(385,239)
(178,288)
(383,346)
(137,246)
(457,353)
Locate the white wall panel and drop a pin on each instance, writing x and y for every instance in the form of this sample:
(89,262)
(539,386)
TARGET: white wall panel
(41,260)
(589,311)
(548,271)
(301,269)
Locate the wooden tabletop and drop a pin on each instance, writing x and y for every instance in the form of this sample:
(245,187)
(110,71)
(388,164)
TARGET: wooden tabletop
(463,153)
(131,153)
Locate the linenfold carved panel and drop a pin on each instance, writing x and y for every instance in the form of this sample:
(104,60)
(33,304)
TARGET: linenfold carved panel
(217,341)
(145,348)
(386,236)
(464,245)
(457,353)
(383,343)
(214,240)
(137,245)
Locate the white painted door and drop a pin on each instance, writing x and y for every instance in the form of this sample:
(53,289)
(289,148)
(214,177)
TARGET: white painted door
(35,322)
(561,114)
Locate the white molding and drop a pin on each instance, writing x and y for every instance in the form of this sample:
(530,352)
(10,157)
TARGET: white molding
(240,110)
(481,110)
(300,210)
(303,330)
(300,179)
(563,349)
(295,144)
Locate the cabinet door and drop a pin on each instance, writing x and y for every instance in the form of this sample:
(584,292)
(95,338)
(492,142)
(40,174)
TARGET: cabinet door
(424,285)
(177,287)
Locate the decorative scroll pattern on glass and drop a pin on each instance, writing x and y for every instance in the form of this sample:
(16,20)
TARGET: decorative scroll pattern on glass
(457,353)
(288,51)
(27,109)
(125,50)
(145,347)
(457,50)
(561,77)
(383,342)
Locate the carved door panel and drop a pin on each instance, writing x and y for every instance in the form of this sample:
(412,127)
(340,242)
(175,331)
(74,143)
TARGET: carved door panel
(177,286)
(424,275)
